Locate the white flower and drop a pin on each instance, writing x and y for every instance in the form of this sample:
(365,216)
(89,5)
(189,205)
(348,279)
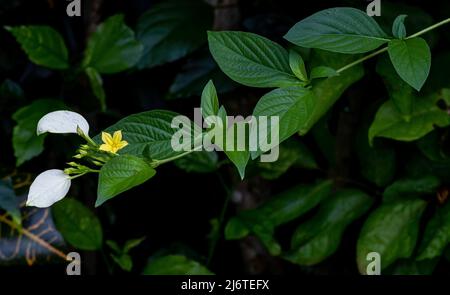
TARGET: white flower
(48,188)
(62,122)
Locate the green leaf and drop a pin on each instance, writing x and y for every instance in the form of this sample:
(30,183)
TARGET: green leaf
(292,106)
(121,174)
(279,210)
(9,201)
(26,143)
(411,59)
(343,30)
(391,230)
(401,94)
(327,91)
(148,134)
(43,45)
(437,234)
(411,187)
(323,72)
(297,65)
(112,48)
(131,244)
(251,60)
(195,73)
(238,157)
(398,28)
(172,30)
(209,101)
(425,116)
(318,238)
(175,265)
(11,90)
(96,82)
(292,153)
(199,162)
(78,225)
(124,261)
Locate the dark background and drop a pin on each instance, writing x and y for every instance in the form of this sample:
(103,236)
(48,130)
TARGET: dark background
(173,209)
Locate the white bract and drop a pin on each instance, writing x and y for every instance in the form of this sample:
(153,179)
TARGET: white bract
(62,122)
(48,188)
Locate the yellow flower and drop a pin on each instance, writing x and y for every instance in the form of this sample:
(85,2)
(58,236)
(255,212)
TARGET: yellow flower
(112,143)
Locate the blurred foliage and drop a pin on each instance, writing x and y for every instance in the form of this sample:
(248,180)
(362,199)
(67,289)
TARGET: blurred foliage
(364,157)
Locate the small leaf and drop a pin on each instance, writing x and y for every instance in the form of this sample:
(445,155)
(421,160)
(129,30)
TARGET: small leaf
(342,29)
(43,45)
(121,174)
(174,265)
(297,65)
(411,59)
(391,230)
(171,30)
(78,225)
(209,101)
(25,142)
(124,261)
(323,72)
(96,82)
(112,48)
(425,116)
(398,28)
(251,60)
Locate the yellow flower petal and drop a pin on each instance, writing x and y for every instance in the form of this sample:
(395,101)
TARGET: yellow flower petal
(106,147)
(107,138)
(122,144)
(117,137)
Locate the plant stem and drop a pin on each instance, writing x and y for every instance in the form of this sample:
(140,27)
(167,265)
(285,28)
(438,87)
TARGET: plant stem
(426,30)
(356,62)
(156,163)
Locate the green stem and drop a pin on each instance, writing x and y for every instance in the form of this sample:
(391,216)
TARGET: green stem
(356,62)
(157,163)
(426,30)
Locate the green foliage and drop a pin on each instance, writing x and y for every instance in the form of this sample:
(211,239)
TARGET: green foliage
(43,45)
(25,142)
(392,231)
(120,255)
(121,174)
(425,115)
(78,225)
(281,209)
(112,48)
(251,60)
(343,30)
(318,238)
(172,29)
(174,265)
(411,188)
(398,27)
(199,162)
(411,59)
